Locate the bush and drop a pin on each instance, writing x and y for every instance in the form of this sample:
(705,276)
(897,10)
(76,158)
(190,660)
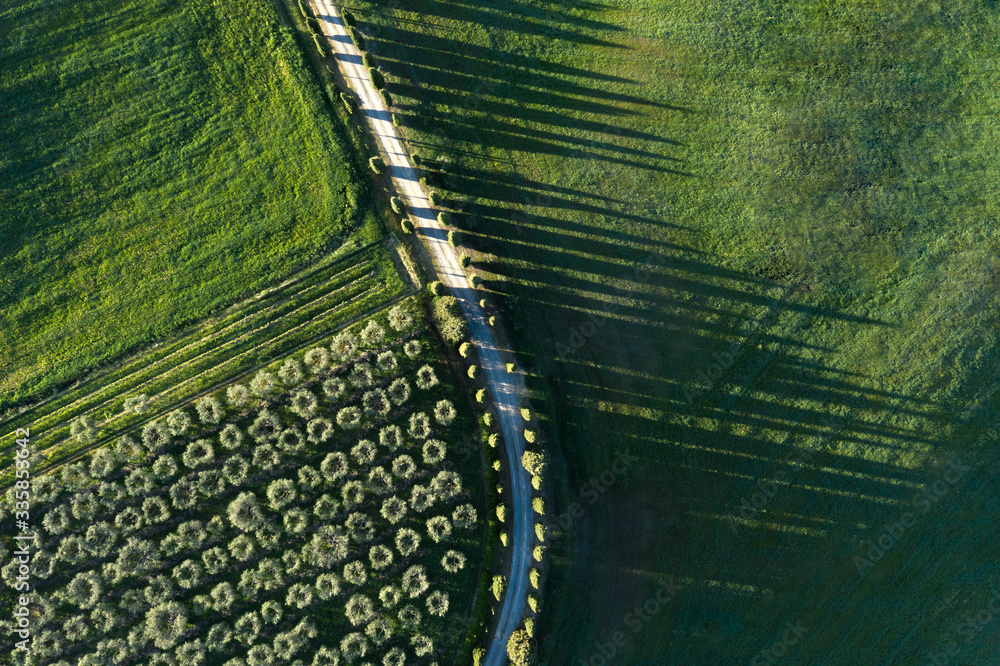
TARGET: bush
(209,410)
(377,164)
(510,368)
(386,98)
(521,648)
(349,102)
(356,37)
(473,370)
(502,513)
(434,198)
(454,238)
(538,504)
(377,79)
(416,159)
(529,435)
(465,261)
(447,311)
(436,288)
(368,59)
(406,226)
(475,281)
(499,586)
(349,19)
(481,396)
(397,204)
(534,463)
(444,217)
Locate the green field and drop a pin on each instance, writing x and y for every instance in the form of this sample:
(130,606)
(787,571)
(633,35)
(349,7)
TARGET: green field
(235,343)
(754,245)
(334,512)
(158,162)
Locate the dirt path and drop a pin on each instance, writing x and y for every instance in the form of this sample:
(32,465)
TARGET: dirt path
(507,390)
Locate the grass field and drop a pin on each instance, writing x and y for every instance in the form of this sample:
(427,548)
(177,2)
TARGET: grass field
(161,160)
(335,511)
(753,245)
(239,341)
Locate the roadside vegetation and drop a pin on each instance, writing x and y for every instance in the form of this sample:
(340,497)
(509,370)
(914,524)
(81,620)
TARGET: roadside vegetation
(748,253)
(163,160)
(327,509)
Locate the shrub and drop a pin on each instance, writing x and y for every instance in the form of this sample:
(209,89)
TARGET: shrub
(397,204)
(387,361)
(540,531)
(473,371)
(444,218)
(377,164)
(376,77)
(165,623)
(290,372)
(349,102)
(355,573)
(510,368)
(237,395)
(361,375)
(436,288)
(536,482)
(421,498)
(334,387)
(454,238)
(434,451)
(454,327)
(165,467)
(439,529)
(526,413)
(82,429)
(372,334)
(465,261)
(359,609)
(281,493)
(209,410)
(327,586)
(521,648)
(415,581)
(475,281)
(349,418)
(502,513)
(529,435)
(434,198)
(155,436)
(387,99)
(481,398)
(356,37)
(364,452)
(263,383)
(406,226)
(368,59)
(349,19)
(416,159)
(334,466)
(499,586)
(420,425)
(198,453)
(464,516)
(244,512)
(534,463)
(137,404)
(538,504)
(444,412)
(407,541)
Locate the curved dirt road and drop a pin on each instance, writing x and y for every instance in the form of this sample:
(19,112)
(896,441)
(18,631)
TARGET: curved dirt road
(507,390)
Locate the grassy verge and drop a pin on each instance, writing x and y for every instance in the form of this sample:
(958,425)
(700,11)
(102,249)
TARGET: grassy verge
(750,246)
(168,159)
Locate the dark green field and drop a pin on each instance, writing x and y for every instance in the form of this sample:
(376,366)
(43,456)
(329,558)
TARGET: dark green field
(158,161)
(754,245)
